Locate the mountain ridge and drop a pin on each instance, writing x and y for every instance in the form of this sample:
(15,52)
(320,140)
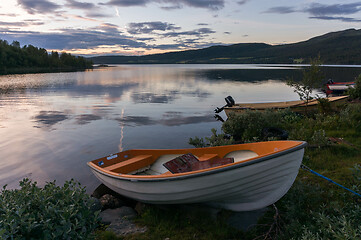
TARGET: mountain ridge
(341,47)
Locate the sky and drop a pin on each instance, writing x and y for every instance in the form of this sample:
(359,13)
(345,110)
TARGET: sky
(139,27)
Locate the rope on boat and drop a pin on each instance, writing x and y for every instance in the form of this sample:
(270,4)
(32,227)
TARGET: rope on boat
(331,181)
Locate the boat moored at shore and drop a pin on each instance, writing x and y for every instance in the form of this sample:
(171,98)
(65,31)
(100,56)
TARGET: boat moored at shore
(241,177)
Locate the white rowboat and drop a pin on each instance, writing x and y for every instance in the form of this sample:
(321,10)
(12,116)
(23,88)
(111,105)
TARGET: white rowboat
(259,176)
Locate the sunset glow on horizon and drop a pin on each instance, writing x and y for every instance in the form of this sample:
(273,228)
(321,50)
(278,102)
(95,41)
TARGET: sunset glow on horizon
(138,27)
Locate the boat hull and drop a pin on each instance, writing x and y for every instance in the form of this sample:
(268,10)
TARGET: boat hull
(295,106)
(244,187)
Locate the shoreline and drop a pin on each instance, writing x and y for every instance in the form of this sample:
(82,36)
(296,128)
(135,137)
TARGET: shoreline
(34,70)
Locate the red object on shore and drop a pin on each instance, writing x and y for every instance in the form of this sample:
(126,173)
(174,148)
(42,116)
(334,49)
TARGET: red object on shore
(338,87)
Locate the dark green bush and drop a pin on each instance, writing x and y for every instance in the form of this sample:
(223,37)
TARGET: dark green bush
(355,93)
(51,212)
(214,140)
(248,126)
(351,116)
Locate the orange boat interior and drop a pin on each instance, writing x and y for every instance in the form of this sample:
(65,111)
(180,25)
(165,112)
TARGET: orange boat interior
(132,160)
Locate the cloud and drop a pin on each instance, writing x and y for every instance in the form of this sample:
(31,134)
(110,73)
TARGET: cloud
(343,19)
(196,32)
(64,39)
(210,4)
(79,5)
(149,27)
(323,11)
(91,10)
(97,14)
(8,14)
(242,2)
(127,3)
(281,10)
(171,4)
(20,24)
(317,9)
(38,6)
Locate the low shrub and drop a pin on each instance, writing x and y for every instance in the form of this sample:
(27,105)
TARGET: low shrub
(351,116)
(355,93)
(215,140)
(249,126)
(51,212)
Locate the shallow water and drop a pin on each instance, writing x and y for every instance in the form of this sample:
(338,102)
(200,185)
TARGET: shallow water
(52,124)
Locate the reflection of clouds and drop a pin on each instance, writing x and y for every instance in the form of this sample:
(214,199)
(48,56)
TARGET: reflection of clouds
(136,121)
(168,96)
(252,75)
(197,93)
(168,119)
(177,121)
(171,114)
(47,119)
(50,118)
(86,118)
(152,98)
(112,92)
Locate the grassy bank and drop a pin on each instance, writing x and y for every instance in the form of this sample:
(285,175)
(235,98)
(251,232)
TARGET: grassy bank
(312,209)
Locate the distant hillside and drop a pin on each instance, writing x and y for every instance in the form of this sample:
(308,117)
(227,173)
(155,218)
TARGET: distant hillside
(342,47)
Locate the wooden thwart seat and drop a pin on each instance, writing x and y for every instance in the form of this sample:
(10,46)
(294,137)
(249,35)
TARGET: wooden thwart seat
(130,165)
(206,157)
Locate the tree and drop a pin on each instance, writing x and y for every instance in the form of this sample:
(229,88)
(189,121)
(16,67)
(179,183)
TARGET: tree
(312,78)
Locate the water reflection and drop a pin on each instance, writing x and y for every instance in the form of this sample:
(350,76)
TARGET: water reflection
(136,121)
(87,118)
(152,98)
(253,75)
(49,118)
(52,124)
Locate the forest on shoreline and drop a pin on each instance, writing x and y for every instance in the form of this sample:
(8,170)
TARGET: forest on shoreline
(30,59)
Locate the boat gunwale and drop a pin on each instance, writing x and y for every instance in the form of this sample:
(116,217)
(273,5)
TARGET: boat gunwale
(188,175)
(296,104)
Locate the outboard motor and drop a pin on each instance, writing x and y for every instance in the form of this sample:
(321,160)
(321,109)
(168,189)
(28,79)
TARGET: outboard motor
(230,102)
(330,81)
(218,118)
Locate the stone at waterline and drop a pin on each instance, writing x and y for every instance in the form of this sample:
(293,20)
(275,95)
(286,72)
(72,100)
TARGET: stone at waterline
(110,201)
(110,216)
(101,190)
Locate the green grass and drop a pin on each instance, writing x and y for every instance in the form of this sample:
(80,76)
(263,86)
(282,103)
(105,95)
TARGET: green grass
(313,208)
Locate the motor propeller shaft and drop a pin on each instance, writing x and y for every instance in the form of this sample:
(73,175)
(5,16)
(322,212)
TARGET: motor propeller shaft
(230,102)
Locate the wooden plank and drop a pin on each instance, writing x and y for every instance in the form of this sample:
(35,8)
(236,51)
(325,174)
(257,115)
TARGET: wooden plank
(211,163)
(206,157)
(131,164)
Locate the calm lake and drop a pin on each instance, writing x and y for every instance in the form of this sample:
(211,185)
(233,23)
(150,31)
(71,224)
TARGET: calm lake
(52,124)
